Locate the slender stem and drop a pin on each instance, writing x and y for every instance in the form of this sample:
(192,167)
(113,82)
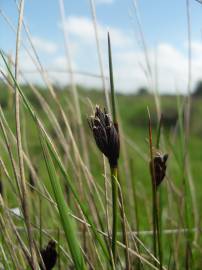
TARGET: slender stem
(159,132)
(111,81)
(154,220)
(135,205)
(156,233)
(156,212)
(159,227)
(114,209)
(153,188)
(40,224)
(114,172)
(99,53)
(25,202)
(124,231)
(159,202)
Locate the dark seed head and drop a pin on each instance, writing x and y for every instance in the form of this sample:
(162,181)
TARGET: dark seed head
(159,161)
(106,135)
(32,179)
(49,255)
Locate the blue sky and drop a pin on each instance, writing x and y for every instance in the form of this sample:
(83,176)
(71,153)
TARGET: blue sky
(165,29)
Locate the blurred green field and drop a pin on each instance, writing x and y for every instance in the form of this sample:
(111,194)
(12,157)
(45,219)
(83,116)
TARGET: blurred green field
(134,123)
(133,120)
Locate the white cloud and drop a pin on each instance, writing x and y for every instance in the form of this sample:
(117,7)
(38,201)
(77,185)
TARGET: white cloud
(82,28)
(196,47)
(44,45)
(128,61)
(129,66)
(172,67)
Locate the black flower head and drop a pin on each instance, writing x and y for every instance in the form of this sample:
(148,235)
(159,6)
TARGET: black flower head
(106,135)
(49,255)
(159,161)
(32,179)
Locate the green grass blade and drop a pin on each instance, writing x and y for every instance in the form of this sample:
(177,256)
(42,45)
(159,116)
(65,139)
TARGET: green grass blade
(68,225)
(111,81)
(82,205)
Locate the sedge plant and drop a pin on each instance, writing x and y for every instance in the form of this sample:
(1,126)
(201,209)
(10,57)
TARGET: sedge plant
(114,171)
(107,139)
(106,135)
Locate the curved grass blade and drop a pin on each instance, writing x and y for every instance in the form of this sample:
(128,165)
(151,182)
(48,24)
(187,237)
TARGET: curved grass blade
(68,225)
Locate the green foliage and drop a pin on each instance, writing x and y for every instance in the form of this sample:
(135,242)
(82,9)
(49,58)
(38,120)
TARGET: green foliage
(132,112)
(68,225)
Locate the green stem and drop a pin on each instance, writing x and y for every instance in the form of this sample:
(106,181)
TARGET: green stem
(114,209)
(154,193)
(157,216)
(159,204)
(159,226)
(124,232)
(159,132)
(154,220)
(156,227)
(135,205)
(111,81)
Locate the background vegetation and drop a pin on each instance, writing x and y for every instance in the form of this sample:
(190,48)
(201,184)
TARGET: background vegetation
(135,176)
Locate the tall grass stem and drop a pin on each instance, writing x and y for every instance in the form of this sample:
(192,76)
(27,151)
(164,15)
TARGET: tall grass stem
(114,174)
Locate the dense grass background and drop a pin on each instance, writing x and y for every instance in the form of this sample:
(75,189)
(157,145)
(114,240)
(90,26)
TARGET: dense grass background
(179,250)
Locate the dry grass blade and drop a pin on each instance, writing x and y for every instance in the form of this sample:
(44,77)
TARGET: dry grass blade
(104,86)
(25,202)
